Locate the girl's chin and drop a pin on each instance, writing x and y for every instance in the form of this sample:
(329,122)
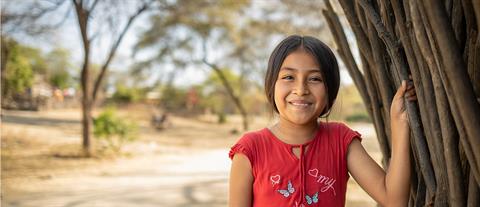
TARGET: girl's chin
(303,120)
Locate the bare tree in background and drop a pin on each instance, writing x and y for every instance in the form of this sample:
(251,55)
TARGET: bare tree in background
(438,44)
(95,18)
(200,19)
(85,10)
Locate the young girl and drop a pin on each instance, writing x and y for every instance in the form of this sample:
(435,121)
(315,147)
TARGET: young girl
(300,161)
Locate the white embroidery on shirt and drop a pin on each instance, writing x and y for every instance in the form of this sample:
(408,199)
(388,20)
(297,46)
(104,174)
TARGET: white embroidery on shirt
(287,192)
(275,179)
(325,180)
(313,172)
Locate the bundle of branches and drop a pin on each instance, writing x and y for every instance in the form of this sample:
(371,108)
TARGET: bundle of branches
(437,43)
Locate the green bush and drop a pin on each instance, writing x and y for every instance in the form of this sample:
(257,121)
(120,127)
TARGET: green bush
(113,131)
(358,117)
(60,79)
(173,98)
(124,94)
(222,118)
(19,74)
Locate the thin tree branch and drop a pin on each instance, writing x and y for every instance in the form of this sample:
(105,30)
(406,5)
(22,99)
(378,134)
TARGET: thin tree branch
(341,39)
(226,84)
(362,39)
(95,3)
(392,46)
(113,50)
(401,69)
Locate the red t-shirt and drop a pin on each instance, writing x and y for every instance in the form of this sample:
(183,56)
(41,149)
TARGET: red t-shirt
(318,178)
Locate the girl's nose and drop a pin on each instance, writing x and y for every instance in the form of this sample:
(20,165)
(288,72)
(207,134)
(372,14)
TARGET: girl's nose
(301,88)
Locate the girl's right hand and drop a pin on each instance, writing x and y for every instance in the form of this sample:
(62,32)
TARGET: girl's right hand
(398,113)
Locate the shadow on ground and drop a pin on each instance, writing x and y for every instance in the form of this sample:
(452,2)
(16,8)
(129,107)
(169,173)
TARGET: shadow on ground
(38,121)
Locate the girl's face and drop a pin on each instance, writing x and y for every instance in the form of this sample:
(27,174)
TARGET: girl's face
(300,93)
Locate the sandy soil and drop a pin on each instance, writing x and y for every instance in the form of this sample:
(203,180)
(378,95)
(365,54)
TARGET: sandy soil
(183,165)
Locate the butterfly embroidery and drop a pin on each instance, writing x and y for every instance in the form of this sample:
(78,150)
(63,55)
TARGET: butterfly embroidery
(313,199)
(288,191)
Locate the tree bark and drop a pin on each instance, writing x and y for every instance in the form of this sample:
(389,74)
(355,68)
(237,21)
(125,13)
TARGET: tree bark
(458,79)
(438,44)
(82,17)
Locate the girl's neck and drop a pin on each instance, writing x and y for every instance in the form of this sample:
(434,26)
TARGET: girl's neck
(295,134)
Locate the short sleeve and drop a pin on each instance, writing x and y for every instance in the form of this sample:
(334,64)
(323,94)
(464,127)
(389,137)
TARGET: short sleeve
(348,136)
(244,146)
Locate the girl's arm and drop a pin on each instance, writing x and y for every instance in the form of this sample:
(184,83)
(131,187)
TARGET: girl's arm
(390,188)
(241,182)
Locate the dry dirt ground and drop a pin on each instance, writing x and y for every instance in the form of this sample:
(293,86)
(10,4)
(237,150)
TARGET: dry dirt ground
(183,165)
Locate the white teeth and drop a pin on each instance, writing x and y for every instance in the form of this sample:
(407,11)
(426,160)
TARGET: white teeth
(300,104)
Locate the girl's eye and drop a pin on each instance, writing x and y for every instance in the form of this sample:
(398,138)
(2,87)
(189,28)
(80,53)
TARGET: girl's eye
(287,77)
(316,79)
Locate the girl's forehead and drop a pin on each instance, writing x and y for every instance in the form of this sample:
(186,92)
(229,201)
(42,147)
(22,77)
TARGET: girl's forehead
(303,70)
(300,59)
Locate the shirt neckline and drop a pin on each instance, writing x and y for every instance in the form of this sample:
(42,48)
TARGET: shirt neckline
(276,139)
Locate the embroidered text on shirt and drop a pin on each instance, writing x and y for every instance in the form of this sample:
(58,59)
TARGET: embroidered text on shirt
(326,181)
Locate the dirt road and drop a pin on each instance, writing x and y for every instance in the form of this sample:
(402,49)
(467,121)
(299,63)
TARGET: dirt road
(194,178)
(171,168)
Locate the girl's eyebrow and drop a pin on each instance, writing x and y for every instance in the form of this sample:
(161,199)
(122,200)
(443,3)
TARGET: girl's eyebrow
(294,69)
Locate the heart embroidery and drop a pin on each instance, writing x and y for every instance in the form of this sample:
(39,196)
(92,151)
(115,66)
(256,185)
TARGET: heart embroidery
(275,179)
(313,172)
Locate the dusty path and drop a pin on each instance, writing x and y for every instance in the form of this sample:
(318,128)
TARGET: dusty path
(184,166)
(194,178)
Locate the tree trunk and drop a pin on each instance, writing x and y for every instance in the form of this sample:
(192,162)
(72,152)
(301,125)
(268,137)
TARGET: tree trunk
(87,124)
(438,44)
(3,67)
(89,94)
(82,17)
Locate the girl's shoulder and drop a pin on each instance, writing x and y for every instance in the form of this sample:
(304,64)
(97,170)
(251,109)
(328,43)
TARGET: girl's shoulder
(255,133)
(340,130)
(253,136)
(334,125)
(248,143)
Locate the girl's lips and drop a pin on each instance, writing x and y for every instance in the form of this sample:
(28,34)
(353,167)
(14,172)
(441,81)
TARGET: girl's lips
(300,103)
